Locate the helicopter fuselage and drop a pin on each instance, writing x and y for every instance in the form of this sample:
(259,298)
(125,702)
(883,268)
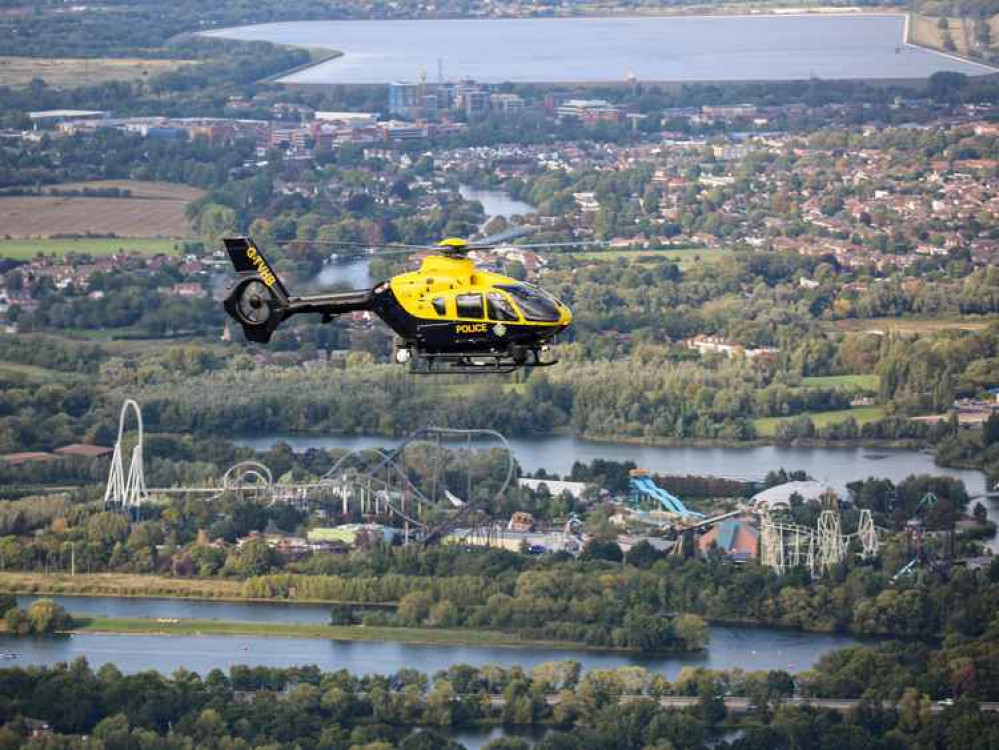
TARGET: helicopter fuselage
(448,312)
(449,305)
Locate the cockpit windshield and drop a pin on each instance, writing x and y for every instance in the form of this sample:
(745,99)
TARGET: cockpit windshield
(536,305)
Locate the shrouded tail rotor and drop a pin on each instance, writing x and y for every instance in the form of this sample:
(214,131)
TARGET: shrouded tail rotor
(256,307)
(258,300)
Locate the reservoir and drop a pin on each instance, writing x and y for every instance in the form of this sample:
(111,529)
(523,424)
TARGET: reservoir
(748,648)
(589,50)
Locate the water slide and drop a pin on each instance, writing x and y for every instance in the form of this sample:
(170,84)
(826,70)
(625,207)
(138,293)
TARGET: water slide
(643,485)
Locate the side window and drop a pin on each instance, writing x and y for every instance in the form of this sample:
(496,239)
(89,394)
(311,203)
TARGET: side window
(440,305)
(469,306)
(500,308)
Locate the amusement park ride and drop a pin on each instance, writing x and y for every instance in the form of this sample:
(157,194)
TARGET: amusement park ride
(446,497)
(450,315)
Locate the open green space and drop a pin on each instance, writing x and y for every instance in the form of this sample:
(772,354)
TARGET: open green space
(137,626)
(767,426)
(856,382)
(27,249)
(36,374)
(63,73)
(684,257)
(912,325)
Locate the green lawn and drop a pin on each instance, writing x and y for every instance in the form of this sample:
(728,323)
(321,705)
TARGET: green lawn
(474,385)
(767,426)
(856,382)
(912,326)
(27,249)
(294,630)
(684,257)
(37,374)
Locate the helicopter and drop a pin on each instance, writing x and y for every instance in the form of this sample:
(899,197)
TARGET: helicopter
(449,315)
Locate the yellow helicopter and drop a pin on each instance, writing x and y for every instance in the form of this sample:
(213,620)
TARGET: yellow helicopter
(450,316)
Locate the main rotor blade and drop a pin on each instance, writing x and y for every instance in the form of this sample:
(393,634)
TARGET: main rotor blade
(507,235)
(577,243)
(366,245)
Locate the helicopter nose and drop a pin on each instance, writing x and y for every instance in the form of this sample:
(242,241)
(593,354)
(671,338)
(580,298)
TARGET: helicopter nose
(564,315)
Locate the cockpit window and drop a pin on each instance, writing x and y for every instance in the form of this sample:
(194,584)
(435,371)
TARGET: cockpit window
(499,307)
(469,306)
(536,305)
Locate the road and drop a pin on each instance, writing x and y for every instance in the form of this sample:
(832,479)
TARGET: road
(739,705)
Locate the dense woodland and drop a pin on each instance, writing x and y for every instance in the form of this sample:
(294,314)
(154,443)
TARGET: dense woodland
(306,708)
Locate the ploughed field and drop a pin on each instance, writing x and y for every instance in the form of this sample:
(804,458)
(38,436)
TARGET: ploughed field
(152,209)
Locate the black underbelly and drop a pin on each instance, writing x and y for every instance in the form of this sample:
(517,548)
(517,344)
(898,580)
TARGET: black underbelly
(447,336)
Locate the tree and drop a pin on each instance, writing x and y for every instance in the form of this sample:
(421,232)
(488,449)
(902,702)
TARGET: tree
(597,550)
(692,630)
(414,608)
(45,616)
(428,739)
(647,630)
(508,743)
(990,430)
(642,555)
(16,622)
(254,558)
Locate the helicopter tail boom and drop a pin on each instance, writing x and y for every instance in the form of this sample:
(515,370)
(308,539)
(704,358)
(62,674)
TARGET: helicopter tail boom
(259,301)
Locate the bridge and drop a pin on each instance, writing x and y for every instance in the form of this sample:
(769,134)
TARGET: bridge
(741,705)
(427,502)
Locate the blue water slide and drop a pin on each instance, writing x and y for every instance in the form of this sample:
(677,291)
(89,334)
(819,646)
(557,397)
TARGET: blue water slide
(670,502)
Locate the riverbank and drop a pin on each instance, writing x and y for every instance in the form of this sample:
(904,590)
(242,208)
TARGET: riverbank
(625,440)
(178,627)
(319,56)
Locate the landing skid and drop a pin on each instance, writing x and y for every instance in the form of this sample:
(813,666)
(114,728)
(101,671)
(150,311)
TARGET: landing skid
(477,363)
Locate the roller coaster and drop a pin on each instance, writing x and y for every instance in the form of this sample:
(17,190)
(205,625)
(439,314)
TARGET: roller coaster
(447,491)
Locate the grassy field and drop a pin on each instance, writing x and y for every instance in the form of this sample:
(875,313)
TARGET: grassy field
(129,626)
(856,382)
(27,249)
(64,73)
(912,326)
(37,374)
(767,426)
(684,257)
(154,209)
(923,31)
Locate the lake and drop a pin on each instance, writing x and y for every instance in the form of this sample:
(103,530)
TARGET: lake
(556,453)
(578,50)
(748,648)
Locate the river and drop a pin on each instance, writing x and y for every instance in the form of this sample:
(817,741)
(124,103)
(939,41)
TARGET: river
(748,648)
(496,202)
(568,50)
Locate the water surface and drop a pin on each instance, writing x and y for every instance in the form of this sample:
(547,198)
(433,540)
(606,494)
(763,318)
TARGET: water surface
(836,466)
(690,48)
(496,202)
(749,648)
